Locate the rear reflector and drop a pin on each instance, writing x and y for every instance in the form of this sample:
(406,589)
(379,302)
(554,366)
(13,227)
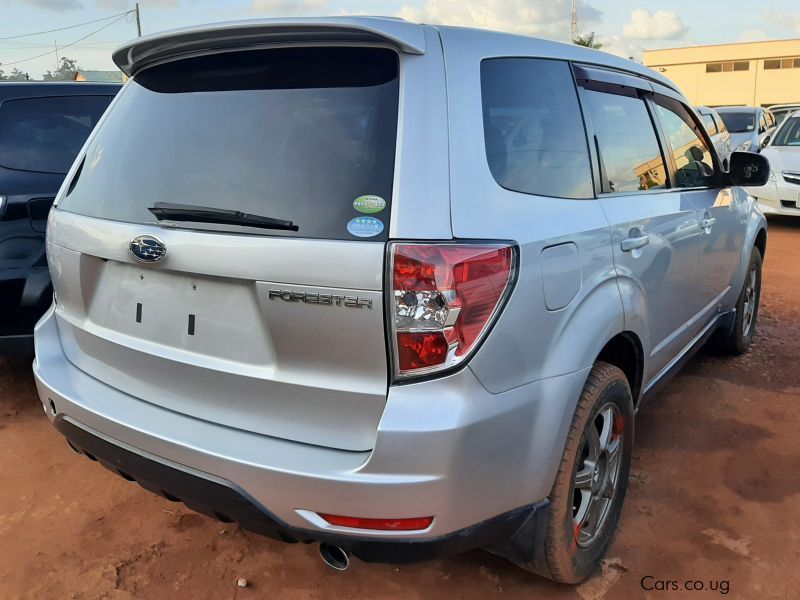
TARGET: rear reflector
(414,524)
(444,298)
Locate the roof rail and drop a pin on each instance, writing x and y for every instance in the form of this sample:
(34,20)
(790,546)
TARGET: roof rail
(142,52)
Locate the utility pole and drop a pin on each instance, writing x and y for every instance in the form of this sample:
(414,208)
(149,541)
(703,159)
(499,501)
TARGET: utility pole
(55,43)
(138,21)
(573,23)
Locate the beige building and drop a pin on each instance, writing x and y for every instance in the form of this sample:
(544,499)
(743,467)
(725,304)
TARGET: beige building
(745,74)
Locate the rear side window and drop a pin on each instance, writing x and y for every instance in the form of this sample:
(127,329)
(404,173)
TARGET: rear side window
(46,134)
(298,134)
(533,129)
(630,157)
(708,122)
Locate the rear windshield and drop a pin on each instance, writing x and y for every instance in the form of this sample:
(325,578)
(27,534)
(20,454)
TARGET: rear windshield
(738,122)
(46,134)
(298,134)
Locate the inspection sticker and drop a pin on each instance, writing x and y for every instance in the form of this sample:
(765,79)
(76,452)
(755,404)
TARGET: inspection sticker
(365,227)
(369,204)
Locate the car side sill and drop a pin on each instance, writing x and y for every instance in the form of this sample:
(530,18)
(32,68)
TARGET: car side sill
(680,360)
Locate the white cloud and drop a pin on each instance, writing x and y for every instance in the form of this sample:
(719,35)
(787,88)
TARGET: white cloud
(614,44)
(289,7)
(548,18)
(754,35)
(783,19)
(660,25)
(55,5)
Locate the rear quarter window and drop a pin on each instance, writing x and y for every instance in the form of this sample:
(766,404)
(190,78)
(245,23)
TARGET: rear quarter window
(45,134)
(533,129)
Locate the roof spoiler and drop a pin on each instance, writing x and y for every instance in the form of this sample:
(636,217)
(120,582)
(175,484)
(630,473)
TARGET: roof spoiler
(142,52)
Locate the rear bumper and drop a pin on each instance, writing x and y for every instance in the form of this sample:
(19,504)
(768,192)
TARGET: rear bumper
(25,294)
(478,463)
(227,502)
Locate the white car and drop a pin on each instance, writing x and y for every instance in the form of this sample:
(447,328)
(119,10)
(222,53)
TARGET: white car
(781,195)
(781,111)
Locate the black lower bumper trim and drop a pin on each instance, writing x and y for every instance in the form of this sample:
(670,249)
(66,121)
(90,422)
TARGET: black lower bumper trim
(224,500)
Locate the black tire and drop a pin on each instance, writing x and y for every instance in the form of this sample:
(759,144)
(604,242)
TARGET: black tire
(565,557)
(737,338)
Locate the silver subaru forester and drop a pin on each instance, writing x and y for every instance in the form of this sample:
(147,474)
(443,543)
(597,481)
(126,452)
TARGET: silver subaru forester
(393,288)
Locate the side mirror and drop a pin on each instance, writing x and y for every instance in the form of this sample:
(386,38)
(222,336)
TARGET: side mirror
(749,169)
(765,142)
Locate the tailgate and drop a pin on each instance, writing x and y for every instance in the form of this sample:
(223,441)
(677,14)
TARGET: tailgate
(265,312)
(202,334)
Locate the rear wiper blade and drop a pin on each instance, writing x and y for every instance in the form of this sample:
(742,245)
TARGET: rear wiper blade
(205,214)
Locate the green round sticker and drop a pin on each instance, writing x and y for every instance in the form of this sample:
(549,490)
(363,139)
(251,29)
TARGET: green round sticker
(369,204)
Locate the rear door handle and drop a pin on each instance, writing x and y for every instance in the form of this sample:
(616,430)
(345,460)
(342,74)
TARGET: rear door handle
(634,243)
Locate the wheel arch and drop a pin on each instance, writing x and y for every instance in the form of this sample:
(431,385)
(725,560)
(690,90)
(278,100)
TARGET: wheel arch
(761,242)
(625,352)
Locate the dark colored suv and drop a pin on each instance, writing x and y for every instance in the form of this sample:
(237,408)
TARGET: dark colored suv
(42,128)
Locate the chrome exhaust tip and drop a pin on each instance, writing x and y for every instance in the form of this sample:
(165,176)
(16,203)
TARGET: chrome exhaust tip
(334,557)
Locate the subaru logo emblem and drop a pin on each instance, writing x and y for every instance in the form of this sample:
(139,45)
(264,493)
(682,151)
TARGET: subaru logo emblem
(147,248)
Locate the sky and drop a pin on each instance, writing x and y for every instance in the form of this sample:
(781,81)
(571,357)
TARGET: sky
(624,27)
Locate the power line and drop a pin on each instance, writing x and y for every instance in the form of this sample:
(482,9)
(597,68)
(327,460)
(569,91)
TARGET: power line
(16,62)
(14,37)
(34,47)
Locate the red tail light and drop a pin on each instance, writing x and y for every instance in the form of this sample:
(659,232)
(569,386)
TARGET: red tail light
(444,298)
(413,524)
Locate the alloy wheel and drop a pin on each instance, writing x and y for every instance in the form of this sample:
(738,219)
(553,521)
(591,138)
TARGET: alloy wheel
(597,474)
(749,308)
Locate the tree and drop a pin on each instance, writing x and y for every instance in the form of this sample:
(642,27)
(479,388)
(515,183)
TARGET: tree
(17,75)
(587,41)
(65,72)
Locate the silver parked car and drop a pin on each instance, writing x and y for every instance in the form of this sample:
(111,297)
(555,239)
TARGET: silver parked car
(750,127)
(394,288)
(715,127)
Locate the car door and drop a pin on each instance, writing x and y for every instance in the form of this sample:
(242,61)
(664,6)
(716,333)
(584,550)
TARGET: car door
(655,231)
(720,209)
